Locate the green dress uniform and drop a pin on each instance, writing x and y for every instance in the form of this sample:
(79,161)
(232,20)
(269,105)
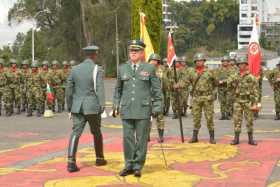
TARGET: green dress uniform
(136,86)
(85,98)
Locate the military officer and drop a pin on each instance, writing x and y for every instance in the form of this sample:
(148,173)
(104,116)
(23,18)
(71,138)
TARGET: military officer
(137,84)
(222,74)
(203,83)
(274,80)
(155,60)
(86,102)
(245,88)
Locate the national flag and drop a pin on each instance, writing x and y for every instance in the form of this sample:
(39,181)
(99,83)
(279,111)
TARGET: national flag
(171,55)
(50,95)
(145,37)
(254,52)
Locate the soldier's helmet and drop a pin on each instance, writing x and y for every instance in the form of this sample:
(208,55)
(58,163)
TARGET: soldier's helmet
(64,63)
(2,61)
(154,56)
(72,62)
(180,59)
(25,62)
(45,62)
(13,61)
(233,57)
(242,60)
(225,59)
(34,64)
(199,56)
(55,62)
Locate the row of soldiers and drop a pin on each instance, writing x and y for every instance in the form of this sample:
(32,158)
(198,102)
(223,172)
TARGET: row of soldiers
(23,88)
(225,83)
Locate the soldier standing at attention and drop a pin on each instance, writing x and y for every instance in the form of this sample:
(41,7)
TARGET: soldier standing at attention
(47,79)
(57,85)
(25,73)
(155,60)
(85,99)
(65,73)
(274,80)
(203,83)
(233,70)
(245,88)
(222,74)
(136,86)
(3,82)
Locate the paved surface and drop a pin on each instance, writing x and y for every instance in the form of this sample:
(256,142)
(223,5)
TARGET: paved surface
(33,153)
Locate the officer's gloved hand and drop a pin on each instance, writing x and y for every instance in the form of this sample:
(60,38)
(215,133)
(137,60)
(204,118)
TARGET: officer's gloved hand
(116,111)
(102,109)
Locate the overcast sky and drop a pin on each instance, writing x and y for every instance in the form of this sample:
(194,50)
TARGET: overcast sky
(8,34)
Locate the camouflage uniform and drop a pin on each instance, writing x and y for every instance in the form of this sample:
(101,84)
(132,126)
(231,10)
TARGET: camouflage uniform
(223,94)
(244,100)
(3,82)
(25,73)
(57,85)
(165,88)
(161,75)
(274,80)
(233,70)
(47,79)
(35,93)
(12,94)
(65,73)
(203,84)
(260,80)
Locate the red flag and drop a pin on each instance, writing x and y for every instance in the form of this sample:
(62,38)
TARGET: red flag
(254,52)
(171,55)
(50,95)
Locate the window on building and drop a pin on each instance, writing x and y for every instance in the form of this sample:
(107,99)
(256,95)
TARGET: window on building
(254,8)
(244,36)
(245,28)
(244,1)
(243,43)
(244,15)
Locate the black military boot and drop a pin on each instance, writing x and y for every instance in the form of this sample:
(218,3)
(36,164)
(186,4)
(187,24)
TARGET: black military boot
(277,116)
(160,135)
(42,109)
(212,137)
(222,116)
(98,146)
(72,150)
(29,112)
(235,141)
(251,140)
(194,137)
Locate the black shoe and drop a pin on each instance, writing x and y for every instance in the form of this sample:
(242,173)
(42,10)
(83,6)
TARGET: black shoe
(251,140)
(72,167)
(194,137)
(126,172)
(235,141)
(100,162)
(137,173)
(212,137)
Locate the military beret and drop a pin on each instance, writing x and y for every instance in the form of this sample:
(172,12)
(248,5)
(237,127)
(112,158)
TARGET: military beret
(136,45)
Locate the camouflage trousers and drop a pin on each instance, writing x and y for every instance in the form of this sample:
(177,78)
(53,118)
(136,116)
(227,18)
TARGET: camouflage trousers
(205,104)
(277,100)
(24,97)
(166,100)
(160,121)
(223,100)
(240,110)
(12,96)
(1,97)
(59,97)
(183,99)
(230,101)
(35,98)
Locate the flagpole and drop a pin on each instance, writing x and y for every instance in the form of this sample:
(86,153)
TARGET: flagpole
(178,100)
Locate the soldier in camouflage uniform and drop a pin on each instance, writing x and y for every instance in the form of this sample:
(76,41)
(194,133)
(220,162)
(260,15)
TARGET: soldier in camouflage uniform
(245,88)
(12,94)
(25,73)
(177,106)
(65,73)
(35,93)
(274,80)
(155,60)
(203,83)
(222,74)
(233,70)
(3,82)
(260,80)
(165,89)
(186,92)
(57,85)
(47,79)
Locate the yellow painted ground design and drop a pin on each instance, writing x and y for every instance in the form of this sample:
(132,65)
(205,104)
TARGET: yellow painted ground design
(276,184)
(160,176)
